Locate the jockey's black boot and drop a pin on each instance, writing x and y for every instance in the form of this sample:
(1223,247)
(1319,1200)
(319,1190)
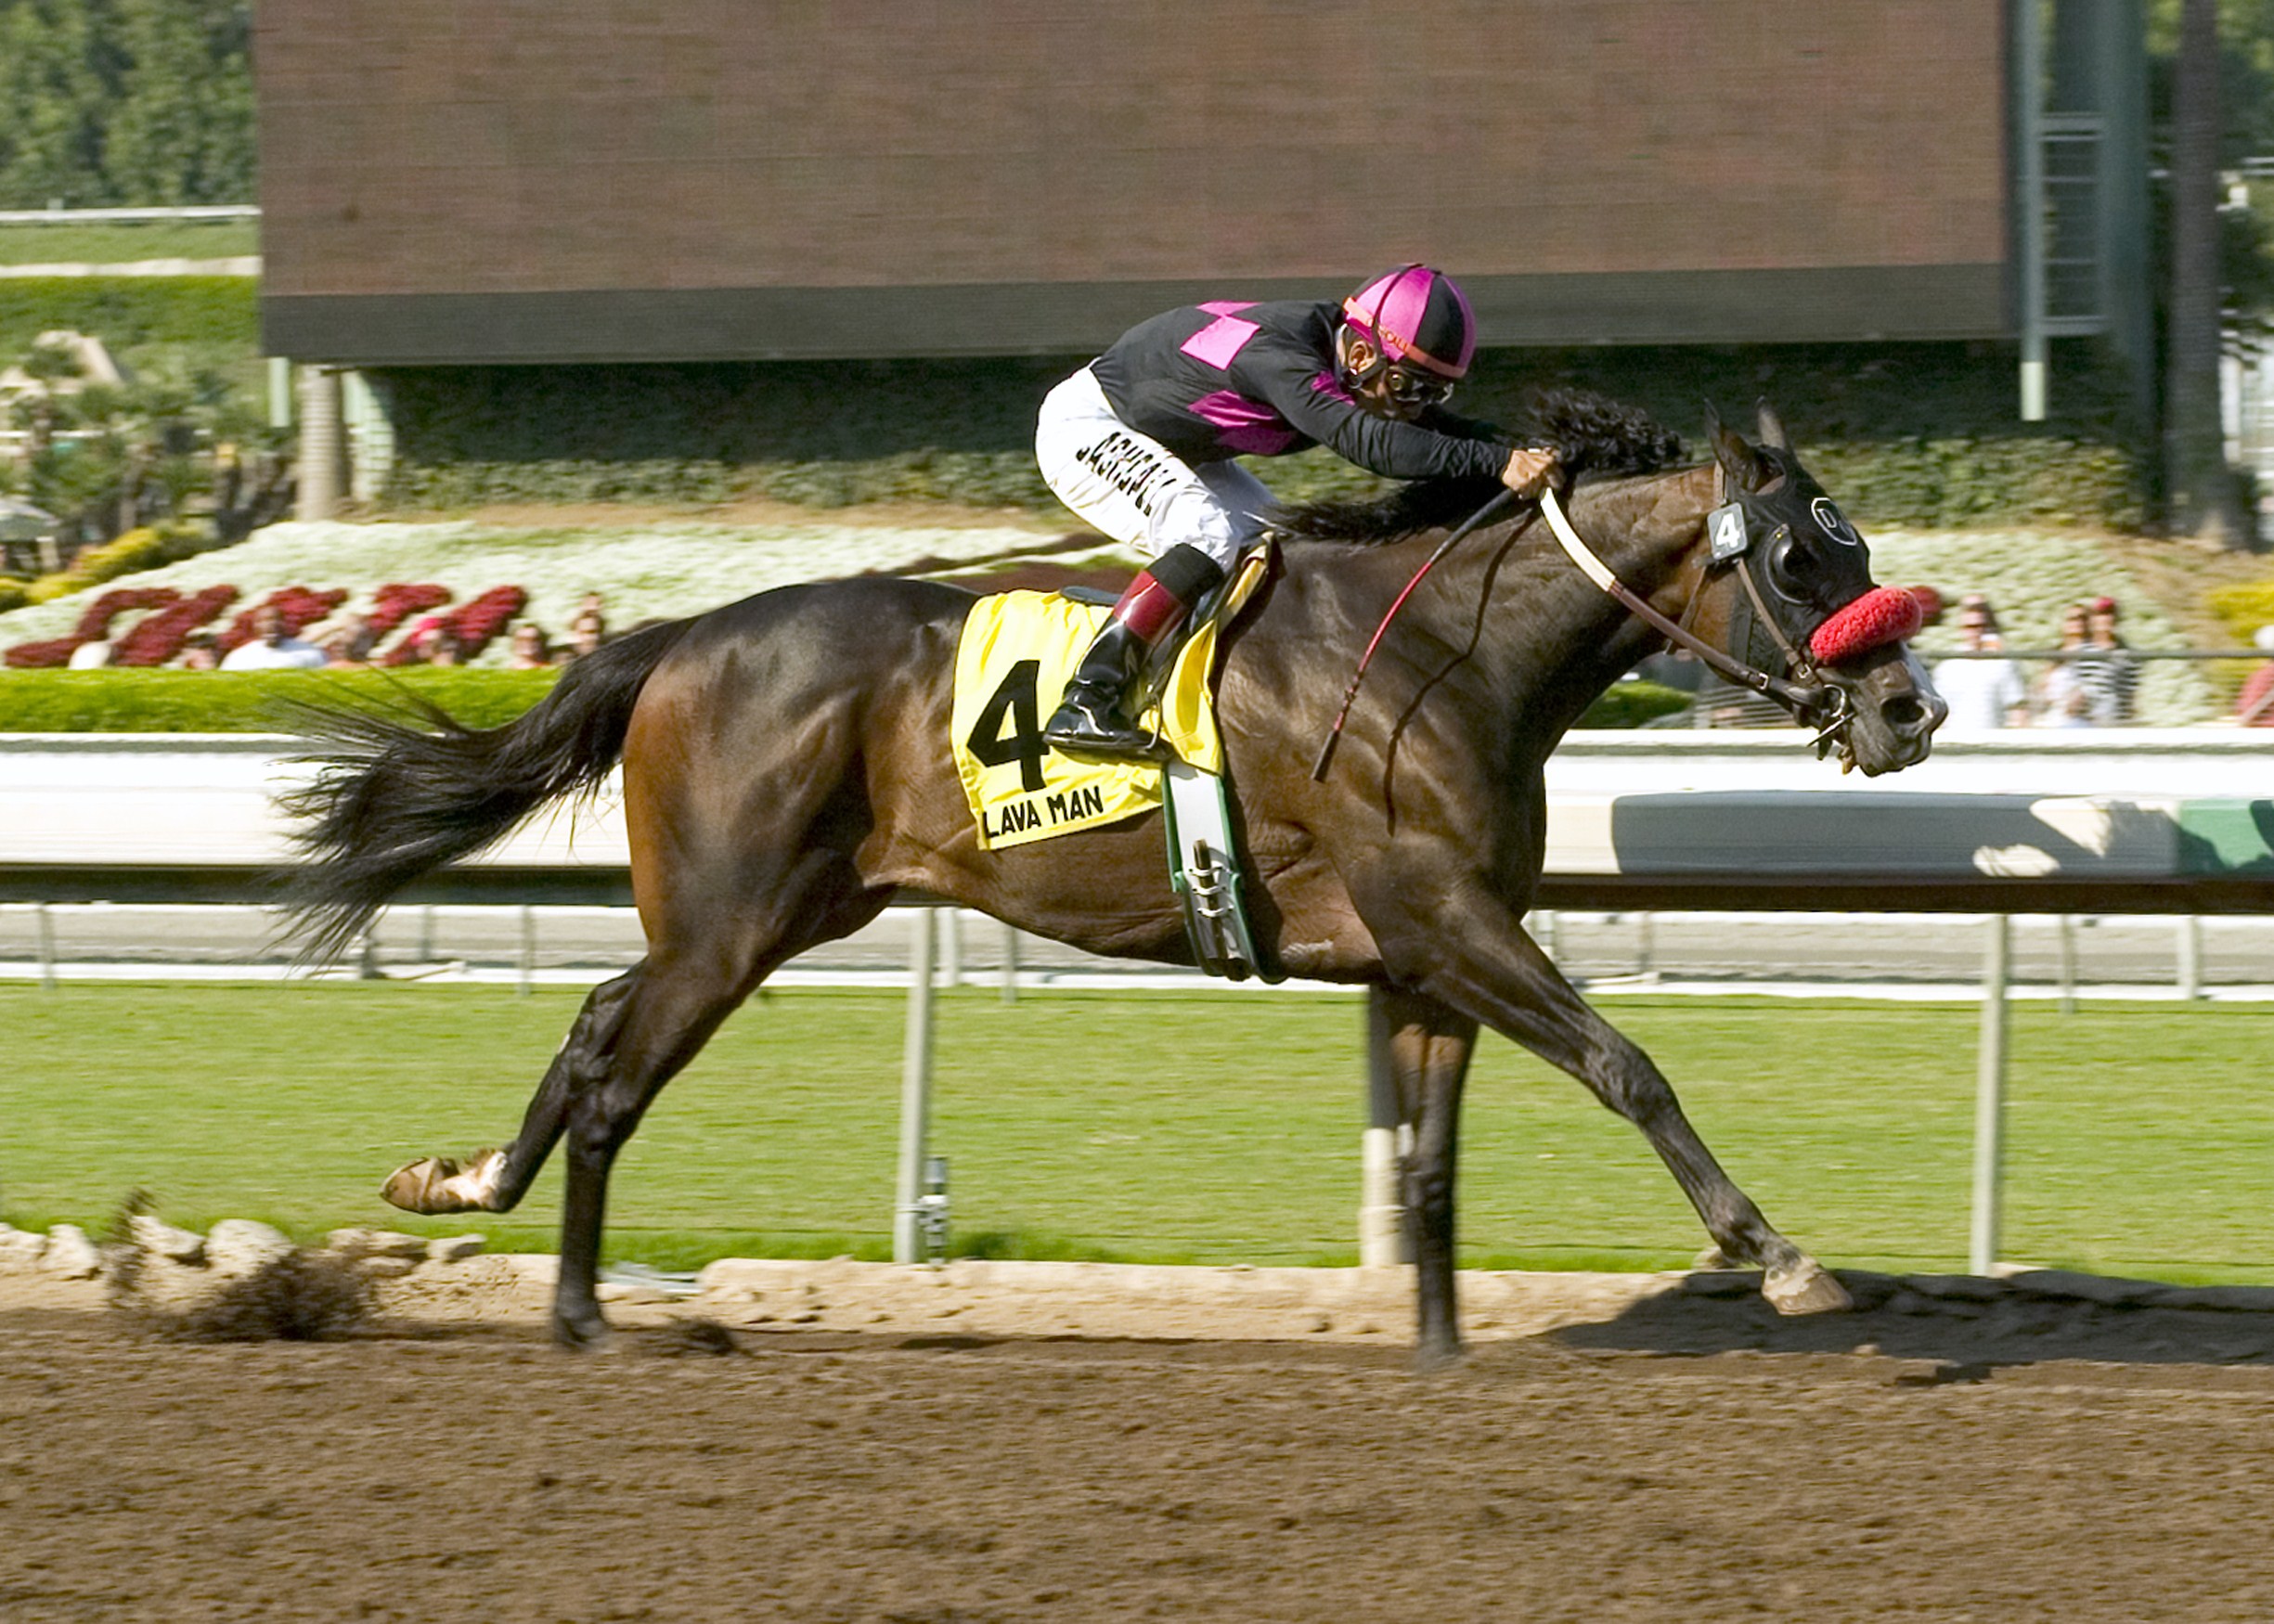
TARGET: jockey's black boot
(1093,719)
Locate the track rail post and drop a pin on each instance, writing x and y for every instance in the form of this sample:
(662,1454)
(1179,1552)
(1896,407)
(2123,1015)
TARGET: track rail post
(1384,1241)
(909,1207)
(1990,1097)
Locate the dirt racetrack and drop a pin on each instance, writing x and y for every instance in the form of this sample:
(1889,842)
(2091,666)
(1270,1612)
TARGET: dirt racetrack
(1686,1457)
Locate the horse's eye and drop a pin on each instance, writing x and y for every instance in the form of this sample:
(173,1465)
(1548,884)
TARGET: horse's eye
(1790,565)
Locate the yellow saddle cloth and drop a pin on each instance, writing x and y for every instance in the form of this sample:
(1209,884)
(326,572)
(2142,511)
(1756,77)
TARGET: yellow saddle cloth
(1011,668)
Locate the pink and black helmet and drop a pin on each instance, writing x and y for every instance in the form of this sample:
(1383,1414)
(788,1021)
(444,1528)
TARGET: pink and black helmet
(1416,317)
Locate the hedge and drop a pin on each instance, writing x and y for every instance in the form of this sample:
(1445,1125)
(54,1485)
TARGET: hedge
(242,701)
(126,312)
(258,702)
(1914,434)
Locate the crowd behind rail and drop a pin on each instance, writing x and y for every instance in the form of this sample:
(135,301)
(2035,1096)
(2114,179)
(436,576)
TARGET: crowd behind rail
(2089,679)
(293,631)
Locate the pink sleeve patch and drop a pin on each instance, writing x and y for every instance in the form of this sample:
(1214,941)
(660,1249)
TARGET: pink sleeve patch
(1220,340)
(1323,383)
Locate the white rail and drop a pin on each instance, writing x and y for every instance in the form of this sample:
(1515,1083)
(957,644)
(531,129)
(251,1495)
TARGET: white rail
(213,214)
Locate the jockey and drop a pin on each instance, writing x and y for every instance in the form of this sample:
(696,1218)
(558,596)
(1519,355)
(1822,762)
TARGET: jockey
(1141,444)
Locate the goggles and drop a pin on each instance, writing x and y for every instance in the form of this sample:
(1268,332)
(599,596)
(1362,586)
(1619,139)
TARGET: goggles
(1408,388)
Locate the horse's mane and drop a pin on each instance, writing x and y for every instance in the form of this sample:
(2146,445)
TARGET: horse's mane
(1592,436)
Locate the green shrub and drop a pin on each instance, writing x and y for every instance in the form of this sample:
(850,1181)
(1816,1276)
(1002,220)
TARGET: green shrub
(143,548)
(129,311)
(13,594)
(231,701)
(1630,704)
(257,702)
(1910,435)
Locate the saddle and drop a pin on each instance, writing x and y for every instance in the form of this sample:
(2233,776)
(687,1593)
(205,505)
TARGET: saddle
(1016,652)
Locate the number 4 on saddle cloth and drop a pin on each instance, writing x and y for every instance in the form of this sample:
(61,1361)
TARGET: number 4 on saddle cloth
(1017,652)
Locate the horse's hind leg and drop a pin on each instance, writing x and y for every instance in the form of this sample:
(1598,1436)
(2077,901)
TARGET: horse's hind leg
(1427,1047)
(1490,968)
(695,974)
(495,1181)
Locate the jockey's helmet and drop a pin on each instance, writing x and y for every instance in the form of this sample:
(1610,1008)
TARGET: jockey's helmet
(1418,324)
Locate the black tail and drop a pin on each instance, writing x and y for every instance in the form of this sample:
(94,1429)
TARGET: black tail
(403,788)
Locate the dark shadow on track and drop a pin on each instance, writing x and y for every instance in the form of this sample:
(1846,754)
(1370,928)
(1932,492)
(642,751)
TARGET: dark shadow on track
(1974,1327)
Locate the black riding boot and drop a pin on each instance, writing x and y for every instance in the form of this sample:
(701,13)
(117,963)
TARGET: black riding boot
(1093,719)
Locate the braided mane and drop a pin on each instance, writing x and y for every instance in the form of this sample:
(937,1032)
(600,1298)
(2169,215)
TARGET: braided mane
(1592,436)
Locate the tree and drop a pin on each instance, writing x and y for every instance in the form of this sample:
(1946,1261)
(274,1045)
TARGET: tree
(54,91)
(183,132)
(125,102)
(2205,499)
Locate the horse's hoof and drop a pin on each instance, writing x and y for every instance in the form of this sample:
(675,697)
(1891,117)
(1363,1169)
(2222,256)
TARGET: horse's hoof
(583,1332)
(1435,1358)
(436,1184)
(1807,1288)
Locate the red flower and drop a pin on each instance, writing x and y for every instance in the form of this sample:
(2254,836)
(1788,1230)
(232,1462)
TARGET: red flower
(93,626)
(299,606)
(397,601)
(159,637)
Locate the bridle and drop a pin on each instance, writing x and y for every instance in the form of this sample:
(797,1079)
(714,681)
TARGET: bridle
(1817,704)
(1799,688)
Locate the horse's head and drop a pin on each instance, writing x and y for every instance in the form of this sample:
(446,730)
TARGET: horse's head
(1790,582)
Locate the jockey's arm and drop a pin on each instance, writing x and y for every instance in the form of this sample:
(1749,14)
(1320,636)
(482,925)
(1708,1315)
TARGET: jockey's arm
(1317,406)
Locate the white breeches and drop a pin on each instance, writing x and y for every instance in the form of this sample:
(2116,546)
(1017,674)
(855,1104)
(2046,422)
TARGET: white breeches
(1136,489)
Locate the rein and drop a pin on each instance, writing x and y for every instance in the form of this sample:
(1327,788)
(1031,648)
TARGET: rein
(1350,695)
(1802,697)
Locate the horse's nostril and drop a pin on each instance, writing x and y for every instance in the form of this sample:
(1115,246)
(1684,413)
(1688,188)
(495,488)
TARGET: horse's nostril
(1905,713)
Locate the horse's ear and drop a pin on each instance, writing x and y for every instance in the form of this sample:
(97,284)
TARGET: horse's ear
(1739,460)
(1771,427)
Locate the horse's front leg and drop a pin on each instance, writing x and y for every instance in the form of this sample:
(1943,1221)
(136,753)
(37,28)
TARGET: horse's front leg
(1426,1047)
(1476,957)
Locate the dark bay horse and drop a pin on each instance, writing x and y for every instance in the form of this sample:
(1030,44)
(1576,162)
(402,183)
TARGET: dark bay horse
(786,770)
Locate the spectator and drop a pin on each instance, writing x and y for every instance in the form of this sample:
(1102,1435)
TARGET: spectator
(588,631)
(351,642)
(442,647)
(2256,707)
(2061,698)
(531,651)
(271,649)
(199,652)
(1982,693)
(2110,681)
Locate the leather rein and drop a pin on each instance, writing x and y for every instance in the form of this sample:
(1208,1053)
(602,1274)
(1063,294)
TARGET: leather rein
(1807,698)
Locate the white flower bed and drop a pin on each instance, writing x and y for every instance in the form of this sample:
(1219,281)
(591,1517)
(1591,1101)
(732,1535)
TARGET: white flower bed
(646,573)
(683,568)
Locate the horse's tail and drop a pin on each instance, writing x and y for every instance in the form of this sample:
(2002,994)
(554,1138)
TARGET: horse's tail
(403,789)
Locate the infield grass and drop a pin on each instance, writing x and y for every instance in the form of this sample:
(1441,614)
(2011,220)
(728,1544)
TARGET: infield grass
(187,239)
(1202,1126)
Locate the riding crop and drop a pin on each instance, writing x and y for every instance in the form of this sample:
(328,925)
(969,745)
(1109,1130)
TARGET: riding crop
(1350,695)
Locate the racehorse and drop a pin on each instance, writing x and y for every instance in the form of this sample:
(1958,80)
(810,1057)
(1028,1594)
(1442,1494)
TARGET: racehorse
(786,770)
